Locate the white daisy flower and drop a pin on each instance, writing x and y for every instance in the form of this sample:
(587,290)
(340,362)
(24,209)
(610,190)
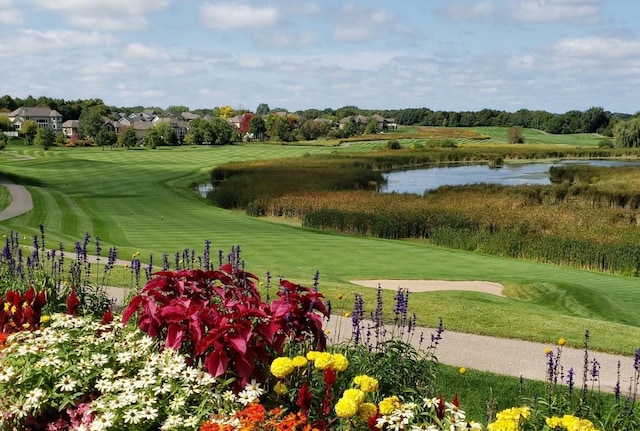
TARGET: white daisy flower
(132,416)
(67,384)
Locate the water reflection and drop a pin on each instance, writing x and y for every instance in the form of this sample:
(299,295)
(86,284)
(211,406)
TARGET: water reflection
(418,181)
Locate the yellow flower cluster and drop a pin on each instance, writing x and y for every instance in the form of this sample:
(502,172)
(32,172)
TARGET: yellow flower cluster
(282,367)
(352,403)
(366,383)
(299,361)
(570,423)
(325,360)
(510,419)
(388,405)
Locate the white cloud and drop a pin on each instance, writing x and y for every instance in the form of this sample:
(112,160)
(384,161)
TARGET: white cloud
(143,52)
(280,39)
(548,11)
(9,15)
(598,48)
(33,41)
(358,24)
(465,11)
(105,15)
(228,16)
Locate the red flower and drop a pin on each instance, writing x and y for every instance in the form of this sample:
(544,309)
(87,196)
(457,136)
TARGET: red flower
(73,303)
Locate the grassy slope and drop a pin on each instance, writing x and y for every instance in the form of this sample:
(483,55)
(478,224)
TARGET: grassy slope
(5,198)
(136,200)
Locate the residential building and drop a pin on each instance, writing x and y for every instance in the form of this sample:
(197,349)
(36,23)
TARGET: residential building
(44,117)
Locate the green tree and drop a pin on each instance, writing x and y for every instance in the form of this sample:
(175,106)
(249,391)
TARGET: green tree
(90,123)
(29,130)
(222,131)
(4,141)
(371,127)
(106,138)
(44,138)
(257,127)
(514,135)
(128,138)
(626,134)
(262,109)
(278,128)
(60,140)
(5,123)
(313,129)
(167,133)
(178,109)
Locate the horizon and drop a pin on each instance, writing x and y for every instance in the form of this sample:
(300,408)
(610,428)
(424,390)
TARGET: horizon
(457,55)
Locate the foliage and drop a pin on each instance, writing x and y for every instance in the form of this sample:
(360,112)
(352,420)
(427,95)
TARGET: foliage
(514,135)
(5,123)
(44,138)
(217,317)
(29,130)
(106,138)
(90,122)
(43,271)
(627,133)
(4,141)
(77,373)
(127,138)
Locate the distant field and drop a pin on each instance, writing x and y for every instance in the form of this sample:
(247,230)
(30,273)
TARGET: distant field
(533,136)
(140,200)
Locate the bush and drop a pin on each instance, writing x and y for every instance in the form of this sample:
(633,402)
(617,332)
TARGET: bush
(394,144)
(514,135)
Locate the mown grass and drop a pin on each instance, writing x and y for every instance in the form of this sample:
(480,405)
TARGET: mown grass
(5,198)
(140,201)
(533,136)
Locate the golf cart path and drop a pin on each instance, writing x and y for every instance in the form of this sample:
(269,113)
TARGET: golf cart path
(498,355)
(21,201)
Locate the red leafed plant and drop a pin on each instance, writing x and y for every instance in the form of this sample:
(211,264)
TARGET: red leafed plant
(21,311)
(218,318)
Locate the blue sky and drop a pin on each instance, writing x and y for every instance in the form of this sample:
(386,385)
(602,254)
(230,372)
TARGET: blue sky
(554,55)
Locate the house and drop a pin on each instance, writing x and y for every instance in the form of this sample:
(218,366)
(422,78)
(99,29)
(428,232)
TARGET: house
(70,128)
(189,116)
(43,116)
(141,127)
(385,124)
(358,119)
(180,127)
(235,121)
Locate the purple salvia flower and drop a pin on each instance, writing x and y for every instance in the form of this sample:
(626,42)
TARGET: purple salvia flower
(98,248)
(636,361)
(207,255)
(435,338)
(570,380)
(595,370)
(356,318)
(177,260)
(220,257)
(616,388)
(165,262)
(42,236)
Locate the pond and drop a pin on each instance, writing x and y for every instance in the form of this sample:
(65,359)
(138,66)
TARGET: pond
(419,180)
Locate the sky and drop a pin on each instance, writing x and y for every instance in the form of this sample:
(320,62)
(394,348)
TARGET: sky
(458,55)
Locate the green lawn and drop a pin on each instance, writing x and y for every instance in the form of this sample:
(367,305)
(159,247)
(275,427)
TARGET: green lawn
(139,200)
(5,198)
(534,136)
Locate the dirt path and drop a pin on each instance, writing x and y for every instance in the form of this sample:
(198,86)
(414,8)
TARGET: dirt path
(499,355)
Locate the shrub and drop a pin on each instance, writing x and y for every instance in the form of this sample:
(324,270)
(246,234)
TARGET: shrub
(514,135)
(394,144)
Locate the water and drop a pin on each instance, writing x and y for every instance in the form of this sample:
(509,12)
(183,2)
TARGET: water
(417,181)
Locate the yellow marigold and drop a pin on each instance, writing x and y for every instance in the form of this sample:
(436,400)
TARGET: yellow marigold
(366,410)
(553,422)
(44,318)
(562,342)
(340,362)
(282,367)
(347,314)
(324,361)
(462,370)
(355,394)
(366,383)
(280,389)
(388,405)
(547,351)
(503,425)
(515,414)
(340,296)
(299,361)
(312,355)
(346,408)
(573,423)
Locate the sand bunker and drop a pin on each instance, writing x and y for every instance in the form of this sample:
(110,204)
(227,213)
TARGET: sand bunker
(433,285)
